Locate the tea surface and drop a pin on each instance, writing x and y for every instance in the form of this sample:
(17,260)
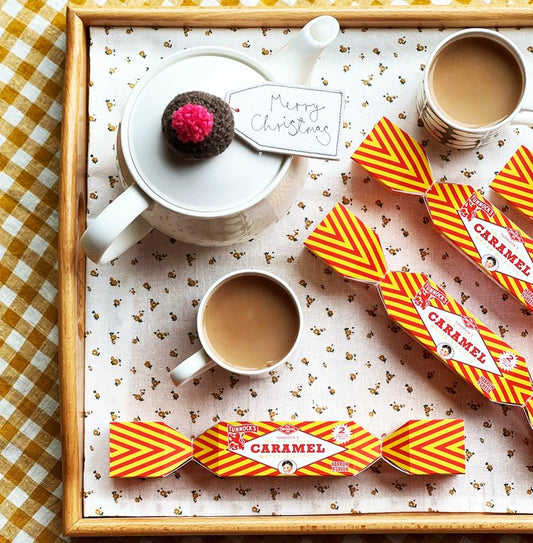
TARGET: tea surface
(251,322)
(476,82)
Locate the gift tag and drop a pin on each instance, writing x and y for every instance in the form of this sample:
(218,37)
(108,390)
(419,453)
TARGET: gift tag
(288,119)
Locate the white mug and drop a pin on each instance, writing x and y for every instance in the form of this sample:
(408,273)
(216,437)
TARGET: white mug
(249,300)
(452,132)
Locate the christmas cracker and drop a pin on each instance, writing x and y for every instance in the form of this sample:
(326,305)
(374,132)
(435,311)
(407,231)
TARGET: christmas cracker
(515,181)
(426,312)
(295,448)
(461,214)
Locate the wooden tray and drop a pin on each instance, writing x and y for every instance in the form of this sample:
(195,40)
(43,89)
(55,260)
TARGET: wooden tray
(72,269)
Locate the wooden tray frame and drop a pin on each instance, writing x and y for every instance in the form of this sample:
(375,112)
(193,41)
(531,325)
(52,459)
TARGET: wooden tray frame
(72,269)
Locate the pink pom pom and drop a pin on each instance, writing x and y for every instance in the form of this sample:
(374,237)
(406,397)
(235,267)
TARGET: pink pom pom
(192,123)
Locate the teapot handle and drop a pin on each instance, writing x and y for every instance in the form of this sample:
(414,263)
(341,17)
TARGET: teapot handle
(118,227)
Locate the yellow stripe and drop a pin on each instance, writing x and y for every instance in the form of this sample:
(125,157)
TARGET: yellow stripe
(469,373)
(241,464)
(420,427)
(309,427)
(132,463)
(166,466)
(116,450)
(306,471)
(122,432)
(371,244)
(416,467)
(395,150)
(416,431)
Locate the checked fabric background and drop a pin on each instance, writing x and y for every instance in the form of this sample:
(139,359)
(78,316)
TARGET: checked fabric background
(32,52)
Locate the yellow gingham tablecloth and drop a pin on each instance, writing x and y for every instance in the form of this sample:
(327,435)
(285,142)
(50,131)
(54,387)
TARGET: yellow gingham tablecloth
(32,52)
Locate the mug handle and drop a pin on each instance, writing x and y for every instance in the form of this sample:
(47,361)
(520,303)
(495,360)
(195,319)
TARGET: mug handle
(191,367)
(524,116)
(118,227)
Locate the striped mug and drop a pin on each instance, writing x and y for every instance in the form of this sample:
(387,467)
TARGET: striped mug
(474,85)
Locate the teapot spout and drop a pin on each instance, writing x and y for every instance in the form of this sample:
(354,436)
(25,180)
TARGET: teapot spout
(294,62)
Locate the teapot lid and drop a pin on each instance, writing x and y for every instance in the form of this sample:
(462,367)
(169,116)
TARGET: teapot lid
(228,183)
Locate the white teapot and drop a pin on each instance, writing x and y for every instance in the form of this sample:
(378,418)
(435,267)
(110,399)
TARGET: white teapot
(220,201)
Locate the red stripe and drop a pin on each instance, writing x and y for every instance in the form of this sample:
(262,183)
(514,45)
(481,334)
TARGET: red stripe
(138,428)
(356,237)
(260,470)
(118,467)
(353,270)
(416,157)
(418,454)
(410,150)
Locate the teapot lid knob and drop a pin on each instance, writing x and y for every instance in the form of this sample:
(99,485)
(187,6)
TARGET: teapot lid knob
(192,123)
(198,125)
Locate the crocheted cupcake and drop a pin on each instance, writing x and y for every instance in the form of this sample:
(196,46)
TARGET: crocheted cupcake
(198,125)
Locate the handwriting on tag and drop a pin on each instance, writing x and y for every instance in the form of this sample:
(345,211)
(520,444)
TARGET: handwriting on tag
(292,120)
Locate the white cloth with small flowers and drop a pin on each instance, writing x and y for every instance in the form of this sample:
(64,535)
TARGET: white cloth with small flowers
(352,362)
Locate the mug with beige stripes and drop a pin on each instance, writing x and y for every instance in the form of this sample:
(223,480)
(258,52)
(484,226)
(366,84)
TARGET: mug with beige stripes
(474,85)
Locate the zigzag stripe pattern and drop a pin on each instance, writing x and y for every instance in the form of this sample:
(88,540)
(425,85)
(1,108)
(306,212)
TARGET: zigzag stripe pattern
(348,245)
(400,163)
(515,181)
(512,387)
(211,449)
(444,200)
(146,449)
(398,289)
(394,158)
(427,446)
(362,449)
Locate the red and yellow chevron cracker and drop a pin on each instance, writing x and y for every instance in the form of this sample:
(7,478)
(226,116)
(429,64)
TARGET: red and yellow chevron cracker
(515,181)
(395,159)
(442,325)
(146,449)
(456,337)
(469,222)
(485,235)
(348,246)
(422,447)
(267,448)
(237,449)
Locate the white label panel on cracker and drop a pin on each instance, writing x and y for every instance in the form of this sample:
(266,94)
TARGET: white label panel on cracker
(456,339)
(501,249)
(288,443)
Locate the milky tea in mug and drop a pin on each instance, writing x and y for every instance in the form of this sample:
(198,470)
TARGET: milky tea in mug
(476,81)
(474,85)
(250,322)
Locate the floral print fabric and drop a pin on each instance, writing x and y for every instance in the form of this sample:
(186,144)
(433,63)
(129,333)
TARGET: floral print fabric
(353,362)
